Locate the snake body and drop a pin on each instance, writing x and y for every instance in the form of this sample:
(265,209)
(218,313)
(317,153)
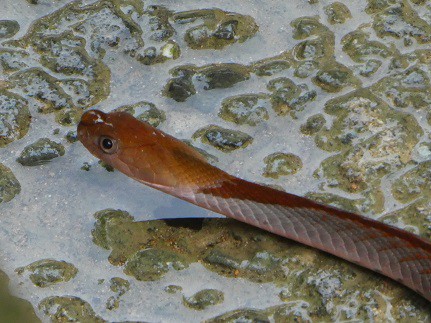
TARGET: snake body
(169,165)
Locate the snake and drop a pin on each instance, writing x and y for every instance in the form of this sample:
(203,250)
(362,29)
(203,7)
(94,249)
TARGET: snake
(165,163)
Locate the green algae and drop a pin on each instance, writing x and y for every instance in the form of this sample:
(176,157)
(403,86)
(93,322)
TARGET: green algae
(119,286)
(152,264)
(407,88)
(14,117)
(287,98)
(281,164)
(360,115)
(68,309)
(40,152)
(204,298)
(334,77)
(313,124)
(8,28)
(409,23)
(415,217)
(220,76)
(226,140)
(219,28)
(305,27)
(317,284)
(336,201)
(250,109)
(358,46)
(145,111)
(9,185)
(48,272)
(337,13)
(413,184)
(173,289)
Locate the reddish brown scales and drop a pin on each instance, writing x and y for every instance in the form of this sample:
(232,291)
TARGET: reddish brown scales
(163,162)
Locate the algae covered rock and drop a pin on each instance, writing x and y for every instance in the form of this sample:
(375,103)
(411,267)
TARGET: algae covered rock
(119,286)
(214,76)
(316,282)
(248,109)
(219,28)
(337,13)
(152,264)
(204,298)
(281,164)
(40,152)
(288,98)
(9,185)
(48,272)
(145,111)
(8,28)
(14,117)
(409,23)
(68,309)
(334,77)
(241,315)
(223,139)
(313,124)
(220,76)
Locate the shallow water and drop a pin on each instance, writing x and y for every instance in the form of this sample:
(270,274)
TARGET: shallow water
(350,130)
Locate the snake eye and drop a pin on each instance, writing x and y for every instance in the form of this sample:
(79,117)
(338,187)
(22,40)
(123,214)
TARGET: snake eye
(108,145)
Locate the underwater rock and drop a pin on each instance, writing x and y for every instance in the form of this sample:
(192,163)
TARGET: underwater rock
(219,28)
(8,28)
(358,46)
(287,97)
(335,77)
(145,111)
(220,76)
(152,264)
(48,272)
(313,124)
(9,185)
(68,309)
(40,152)
(248,109)
(204,298)
(281,164)
(337,13)
(14,117)
(223,139)
(398,19)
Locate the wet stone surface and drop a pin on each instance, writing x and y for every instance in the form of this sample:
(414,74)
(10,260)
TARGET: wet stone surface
(68,309)
(314,284)
(40,152)
(281,164)
(248,109)
(9,185)
(218,28)
(337,13)
(14,117)
(119,286)
(349,95)
(145,111)
(223,139)
(203,299)
(48,272)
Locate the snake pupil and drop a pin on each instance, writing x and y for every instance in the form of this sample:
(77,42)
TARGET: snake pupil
(107,143)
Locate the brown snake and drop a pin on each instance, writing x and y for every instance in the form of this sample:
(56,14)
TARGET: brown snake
(159,160)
